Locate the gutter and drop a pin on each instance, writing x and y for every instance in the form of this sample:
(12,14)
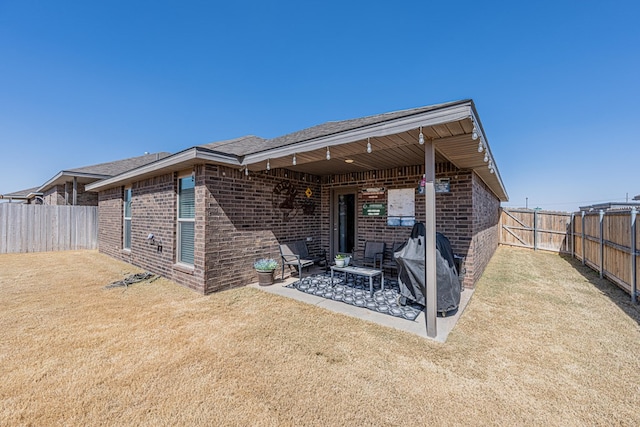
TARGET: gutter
(60,174)
(172,162)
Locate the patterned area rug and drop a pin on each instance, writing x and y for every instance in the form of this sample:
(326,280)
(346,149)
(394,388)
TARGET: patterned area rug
(355,291)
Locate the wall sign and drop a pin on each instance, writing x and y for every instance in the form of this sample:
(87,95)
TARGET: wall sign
(402,207)
(373,194)
(443,185)
(374,209)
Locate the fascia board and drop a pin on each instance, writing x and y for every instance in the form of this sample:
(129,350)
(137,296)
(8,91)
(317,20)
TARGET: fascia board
(173,162)
(430,118)
(57,178)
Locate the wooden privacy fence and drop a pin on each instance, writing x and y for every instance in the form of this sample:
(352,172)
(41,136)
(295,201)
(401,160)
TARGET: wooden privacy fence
(536,229)
(39,228)
(607,241)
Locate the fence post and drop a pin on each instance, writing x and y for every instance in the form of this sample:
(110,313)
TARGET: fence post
(601,243)
(634,278)
(571,235)
(583,245)
(535,230)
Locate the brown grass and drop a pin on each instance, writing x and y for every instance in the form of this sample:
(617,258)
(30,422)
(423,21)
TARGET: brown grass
(543,342)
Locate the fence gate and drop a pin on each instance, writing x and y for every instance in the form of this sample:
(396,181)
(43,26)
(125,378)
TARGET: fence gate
(534,229)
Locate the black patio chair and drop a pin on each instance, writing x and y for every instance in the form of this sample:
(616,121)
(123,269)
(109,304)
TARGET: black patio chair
(296,255)
(372,255)
(390,263)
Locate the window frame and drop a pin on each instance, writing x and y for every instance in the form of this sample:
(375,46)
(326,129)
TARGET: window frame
(180,221)
(127,192)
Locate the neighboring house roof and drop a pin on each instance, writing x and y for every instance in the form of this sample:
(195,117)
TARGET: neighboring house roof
(394,136)
(22,194)
(92,173)
(637,197)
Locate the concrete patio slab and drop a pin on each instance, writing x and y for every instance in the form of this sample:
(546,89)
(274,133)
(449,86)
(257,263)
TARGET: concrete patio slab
(418,327)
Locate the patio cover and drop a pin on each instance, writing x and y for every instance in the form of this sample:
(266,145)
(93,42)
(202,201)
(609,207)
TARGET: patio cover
(451,132)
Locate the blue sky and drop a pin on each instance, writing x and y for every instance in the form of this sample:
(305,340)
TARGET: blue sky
(555,83)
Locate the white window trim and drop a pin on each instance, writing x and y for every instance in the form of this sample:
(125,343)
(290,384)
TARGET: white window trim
(125,218)
(182,220)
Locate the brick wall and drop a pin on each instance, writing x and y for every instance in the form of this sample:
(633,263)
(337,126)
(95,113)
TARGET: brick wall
(153,211)
(110,217)
(486,218)
(56,195)
(84,198)
(467,215)
(240,219)
(247,216)
(453,209)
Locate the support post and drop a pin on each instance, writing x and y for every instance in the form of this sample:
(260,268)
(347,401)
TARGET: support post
(634,278)
(75,190)
(66,193)
(431,294)
(601,244)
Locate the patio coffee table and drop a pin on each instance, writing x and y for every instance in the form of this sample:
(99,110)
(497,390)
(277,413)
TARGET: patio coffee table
(360,271)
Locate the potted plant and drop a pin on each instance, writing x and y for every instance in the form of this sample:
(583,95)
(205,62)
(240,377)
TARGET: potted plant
(340,260)
(265,268)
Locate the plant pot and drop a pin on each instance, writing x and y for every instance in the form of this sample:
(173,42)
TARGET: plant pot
(339,262)
(265,278)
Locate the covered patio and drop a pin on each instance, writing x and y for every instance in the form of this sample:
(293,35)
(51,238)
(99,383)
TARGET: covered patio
(431,164)
(430,136)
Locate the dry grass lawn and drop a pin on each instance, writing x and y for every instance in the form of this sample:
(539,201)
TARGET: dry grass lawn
(543,342)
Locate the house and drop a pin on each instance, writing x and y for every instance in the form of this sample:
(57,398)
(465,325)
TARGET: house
(202,216)
(28,196)
(67,187)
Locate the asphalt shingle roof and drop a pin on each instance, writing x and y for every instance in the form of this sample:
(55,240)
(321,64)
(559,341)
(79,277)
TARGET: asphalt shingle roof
(253,144)
(21,193)
(119,166)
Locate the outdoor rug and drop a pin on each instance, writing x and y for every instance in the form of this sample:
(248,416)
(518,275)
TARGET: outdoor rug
(356,292)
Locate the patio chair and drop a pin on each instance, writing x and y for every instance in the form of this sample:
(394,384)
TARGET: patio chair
(390,263)
(296,254)
(372,255)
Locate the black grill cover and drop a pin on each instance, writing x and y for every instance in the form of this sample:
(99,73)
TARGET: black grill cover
(411,273)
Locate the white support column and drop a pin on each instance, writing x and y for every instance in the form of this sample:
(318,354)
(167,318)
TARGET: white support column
(431,291)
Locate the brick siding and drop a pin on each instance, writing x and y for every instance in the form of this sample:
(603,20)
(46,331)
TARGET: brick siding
(56,195)
(240,219)
(467,215)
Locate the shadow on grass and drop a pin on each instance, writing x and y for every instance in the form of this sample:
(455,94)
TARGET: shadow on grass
(621,298)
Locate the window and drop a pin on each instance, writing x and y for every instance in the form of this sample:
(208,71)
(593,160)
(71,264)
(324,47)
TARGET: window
(126,241)
(186,219)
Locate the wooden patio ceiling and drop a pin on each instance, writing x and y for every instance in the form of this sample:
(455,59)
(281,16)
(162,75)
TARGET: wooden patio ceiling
(452,142)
